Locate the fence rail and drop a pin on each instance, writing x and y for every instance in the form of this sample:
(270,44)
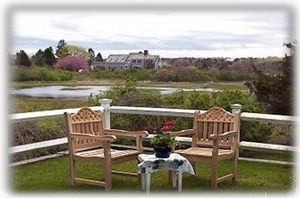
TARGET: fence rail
(105,106)
(38,115)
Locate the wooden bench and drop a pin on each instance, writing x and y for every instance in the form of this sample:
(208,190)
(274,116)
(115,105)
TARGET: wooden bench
(214,138)
(90,141)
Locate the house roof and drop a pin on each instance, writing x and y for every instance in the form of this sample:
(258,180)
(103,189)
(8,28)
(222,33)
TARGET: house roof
(141,56)
(122,58)
(117,58)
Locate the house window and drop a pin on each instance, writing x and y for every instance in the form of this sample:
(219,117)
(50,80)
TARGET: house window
(139,61)
(133,61)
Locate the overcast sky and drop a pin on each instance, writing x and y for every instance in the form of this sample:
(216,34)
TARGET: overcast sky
(169,34)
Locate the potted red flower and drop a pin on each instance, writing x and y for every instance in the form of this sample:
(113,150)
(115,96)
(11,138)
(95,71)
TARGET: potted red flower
(163,141)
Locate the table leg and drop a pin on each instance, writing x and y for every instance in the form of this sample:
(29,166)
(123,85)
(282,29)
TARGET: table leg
(179,181)
(148,182)
(174,179)
(143,178)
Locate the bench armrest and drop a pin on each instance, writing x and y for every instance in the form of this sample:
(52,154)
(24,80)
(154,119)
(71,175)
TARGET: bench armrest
(223,136)
(110,138)
(137,134)
(118,132)
(183,132)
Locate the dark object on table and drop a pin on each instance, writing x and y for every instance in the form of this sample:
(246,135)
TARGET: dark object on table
(162,151)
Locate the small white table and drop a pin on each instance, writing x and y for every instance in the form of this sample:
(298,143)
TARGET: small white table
(175,163)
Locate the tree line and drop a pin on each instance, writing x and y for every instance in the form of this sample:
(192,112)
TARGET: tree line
(66,56)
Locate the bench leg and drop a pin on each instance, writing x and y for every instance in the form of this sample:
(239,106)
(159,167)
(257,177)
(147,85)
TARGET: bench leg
(214,173)
(72,170)
(174,179)
(234,168)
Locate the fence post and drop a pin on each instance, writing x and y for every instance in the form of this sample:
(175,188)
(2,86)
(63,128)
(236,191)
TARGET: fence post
(236,108)
(105,103)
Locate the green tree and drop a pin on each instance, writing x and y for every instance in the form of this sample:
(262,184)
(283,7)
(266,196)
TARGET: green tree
(72,50)
(60,44)
(38,58)
(91,56)
(22,58)
(49,57)
(274,90)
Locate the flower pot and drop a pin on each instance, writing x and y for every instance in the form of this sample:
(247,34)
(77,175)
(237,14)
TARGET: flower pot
(162,151)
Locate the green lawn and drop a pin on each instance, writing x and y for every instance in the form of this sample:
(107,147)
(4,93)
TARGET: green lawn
(52,175)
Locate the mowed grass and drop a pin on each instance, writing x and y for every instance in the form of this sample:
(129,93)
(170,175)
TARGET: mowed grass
(53,176)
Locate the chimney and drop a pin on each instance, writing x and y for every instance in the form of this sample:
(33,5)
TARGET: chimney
(145,52)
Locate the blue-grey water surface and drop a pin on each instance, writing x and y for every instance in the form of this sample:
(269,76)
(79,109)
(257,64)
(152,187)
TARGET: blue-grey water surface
(85,91)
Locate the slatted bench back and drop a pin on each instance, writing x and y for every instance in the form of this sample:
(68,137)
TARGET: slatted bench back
(214,121)
(86,121)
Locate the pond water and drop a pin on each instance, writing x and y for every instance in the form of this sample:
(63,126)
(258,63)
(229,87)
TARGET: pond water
(85,91)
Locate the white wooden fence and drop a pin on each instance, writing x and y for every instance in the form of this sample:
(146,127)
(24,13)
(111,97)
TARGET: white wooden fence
(105,106)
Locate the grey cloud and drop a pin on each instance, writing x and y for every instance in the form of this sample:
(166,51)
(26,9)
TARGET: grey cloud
(191,40)
(31,42)
(174,43)
(265,38)
(107,45)
(64,25)
(135,37)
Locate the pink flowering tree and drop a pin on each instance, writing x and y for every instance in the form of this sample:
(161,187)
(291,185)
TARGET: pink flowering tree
(72,63)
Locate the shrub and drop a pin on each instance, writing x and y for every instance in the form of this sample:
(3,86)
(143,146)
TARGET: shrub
(36,131)
(255,131)
(182,74)
(137,74)
(174,100)
(197,100)
(40,74)
(50,126)
(72,63)
(234,74)
(128,95)
(226,98)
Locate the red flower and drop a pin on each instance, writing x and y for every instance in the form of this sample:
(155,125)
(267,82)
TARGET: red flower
(166,128)
(168,125)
